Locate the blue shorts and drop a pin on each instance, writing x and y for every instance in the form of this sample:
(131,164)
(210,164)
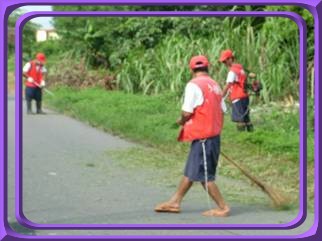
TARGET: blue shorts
(194,169)
(240,111)
(33,93)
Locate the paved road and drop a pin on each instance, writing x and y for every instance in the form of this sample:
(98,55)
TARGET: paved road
(69,178)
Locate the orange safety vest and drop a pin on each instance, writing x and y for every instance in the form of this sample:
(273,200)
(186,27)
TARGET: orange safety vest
(207,119)
(35,74)
(238,88)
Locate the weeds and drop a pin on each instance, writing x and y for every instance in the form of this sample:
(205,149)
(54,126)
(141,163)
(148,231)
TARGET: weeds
(75,74)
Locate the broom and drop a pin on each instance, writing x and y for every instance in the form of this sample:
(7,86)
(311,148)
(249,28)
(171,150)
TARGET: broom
(278,200)
(45,89)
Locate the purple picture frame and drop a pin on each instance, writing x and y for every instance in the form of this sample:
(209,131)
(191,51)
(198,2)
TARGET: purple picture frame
(7,7)
(19,200)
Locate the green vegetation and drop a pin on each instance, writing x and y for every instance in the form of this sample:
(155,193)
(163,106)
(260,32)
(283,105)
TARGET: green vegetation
(11,63)
(150,55)
(271,152)
(28,35)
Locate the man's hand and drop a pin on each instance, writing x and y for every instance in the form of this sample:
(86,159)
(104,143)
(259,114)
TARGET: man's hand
(223,106)
(30,80)
(42,84)
(226,89)
(179,121)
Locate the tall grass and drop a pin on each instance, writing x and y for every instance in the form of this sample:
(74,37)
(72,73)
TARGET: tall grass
(165,67)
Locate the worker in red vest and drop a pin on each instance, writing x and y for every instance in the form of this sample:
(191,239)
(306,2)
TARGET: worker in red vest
(236,87)
(33,72)
(201,124)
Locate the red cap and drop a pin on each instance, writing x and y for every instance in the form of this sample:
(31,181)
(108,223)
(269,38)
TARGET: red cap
(199,61)
(41,57)
(226,54)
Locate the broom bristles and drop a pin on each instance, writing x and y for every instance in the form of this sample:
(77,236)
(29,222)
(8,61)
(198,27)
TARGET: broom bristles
(279,200)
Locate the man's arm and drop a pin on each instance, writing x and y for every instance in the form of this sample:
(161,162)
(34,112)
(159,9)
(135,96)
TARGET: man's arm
(44,72)
(185,116)
(231,78)
(26,69)
(192,98)
(226,88)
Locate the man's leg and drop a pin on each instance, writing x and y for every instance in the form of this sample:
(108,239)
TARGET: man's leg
(38,101)
(212,150)
(248,123)
(39,109)
(223,209)
(176,199)
(28,101)
(241,126)
(183,188)
(250,127)
(28,97)
(236,115)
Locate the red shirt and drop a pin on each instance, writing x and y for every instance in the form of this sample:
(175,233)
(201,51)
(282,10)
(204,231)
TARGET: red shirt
(238,90)
(207,119)
(35,73)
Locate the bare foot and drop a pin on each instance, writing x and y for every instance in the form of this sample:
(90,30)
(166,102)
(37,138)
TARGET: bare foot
(167,207)
(217,212)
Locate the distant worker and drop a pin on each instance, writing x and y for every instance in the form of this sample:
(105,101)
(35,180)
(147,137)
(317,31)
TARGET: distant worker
(201,124)
(34,72)
(236,87)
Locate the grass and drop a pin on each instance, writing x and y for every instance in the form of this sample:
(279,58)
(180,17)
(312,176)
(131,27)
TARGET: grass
(117,113)
(11,63)
(167,169)
(270,153)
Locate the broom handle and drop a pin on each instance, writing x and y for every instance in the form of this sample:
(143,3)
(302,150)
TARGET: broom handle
(243,170)
(46,90)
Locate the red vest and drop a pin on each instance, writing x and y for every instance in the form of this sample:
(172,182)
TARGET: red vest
(238,88)
(33,73)
(207,119)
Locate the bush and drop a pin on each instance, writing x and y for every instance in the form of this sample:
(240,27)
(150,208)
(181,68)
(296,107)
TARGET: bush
(70,72)
(49,47)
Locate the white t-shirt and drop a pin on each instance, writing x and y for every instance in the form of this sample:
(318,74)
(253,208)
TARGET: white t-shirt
(27,67)
(193,98)
(231,77)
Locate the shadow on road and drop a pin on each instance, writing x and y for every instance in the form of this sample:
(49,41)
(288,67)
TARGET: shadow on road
(20,229)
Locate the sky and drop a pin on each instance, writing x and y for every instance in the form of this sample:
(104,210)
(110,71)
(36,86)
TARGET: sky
(43,21)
